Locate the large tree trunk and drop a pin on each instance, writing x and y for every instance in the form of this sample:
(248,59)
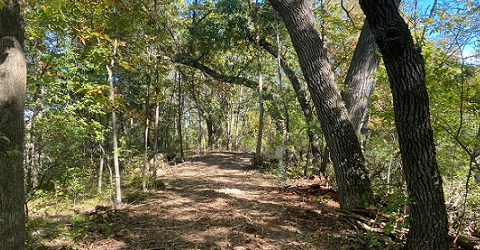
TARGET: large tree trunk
(359,83)
(348,161)
(13,77)
(405,67)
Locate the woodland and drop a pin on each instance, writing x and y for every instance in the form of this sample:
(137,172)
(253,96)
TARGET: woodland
(240,124)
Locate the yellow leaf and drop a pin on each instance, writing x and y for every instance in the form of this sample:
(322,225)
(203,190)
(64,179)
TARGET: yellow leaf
(126,66)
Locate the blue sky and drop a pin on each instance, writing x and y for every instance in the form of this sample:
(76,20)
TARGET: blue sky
(424,8)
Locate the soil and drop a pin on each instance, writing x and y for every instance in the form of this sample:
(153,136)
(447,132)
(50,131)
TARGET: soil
(218,201)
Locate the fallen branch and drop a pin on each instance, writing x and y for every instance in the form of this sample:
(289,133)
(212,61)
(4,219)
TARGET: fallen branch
(463,241)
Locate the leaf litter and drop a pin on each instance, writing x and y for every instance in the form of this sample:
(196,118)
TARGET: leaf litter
(217,201)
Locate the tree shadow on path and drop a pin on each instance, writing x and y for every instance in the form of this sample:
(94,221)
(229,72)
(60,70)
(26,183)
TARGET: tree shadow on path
(215,202)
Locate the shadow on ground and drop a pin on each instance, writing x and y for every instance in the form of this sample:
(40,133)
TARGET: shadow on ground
(216,202)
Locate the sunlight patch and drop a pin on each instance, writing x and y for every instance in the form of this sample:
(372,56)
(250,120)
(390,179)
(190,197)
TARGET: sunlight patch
(230,191)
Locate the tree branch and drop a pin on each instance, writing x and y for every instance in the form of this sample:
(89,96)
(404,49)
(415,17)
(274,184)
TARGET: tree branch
(189,61)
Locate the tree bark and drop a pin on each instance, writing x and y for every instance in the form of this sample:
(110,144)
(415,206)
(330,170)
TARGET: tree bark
(359,83)
(348,161)
(405,67)
(13,77)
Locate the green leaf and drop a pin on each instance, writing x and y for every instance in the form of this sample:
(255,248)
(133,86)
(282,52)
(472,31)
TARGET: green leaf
(13,153)
(4,138)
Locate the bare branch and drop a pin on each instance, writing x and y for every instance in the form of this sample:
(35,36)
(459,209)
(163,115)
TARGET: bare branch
(348,13)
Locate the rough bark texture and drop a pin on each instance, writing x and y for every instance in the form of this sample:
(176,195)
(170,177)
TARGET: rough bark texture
(348,161)
(13,77)
(405,67)
(359,83)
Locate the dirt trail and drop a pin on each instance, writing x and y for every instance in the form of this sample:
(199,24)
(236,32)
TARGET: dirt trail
(216,202)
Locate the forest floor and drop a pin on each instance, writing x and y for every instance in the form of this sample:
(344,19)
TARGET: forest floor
(216,201)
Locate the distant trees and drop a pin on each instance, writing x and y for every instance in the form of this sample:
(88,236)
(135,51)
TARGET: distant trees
(13,77)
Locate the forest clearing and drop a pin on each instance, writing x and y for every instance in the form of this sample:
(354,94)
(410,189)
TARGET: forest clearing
(239,124)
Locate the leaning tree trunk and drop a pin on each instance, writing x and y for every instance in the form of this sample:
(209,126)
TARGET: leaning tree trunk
(406,71)
(359,83)
(313,137)
(348,161)
(13,77)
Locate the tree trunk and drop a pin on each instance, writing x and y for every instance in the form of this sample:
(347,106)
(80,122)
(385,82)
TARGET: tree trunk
(155,133)
(180,113)
(237,121)
(359,83)
(146,135)
(100,168)
(229,125)
(116,166)
(34,141)
(286,128)
(405,67)
(313,137)
(348,161)
(13,77)
(210,132)
(258,151)
(200,133)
